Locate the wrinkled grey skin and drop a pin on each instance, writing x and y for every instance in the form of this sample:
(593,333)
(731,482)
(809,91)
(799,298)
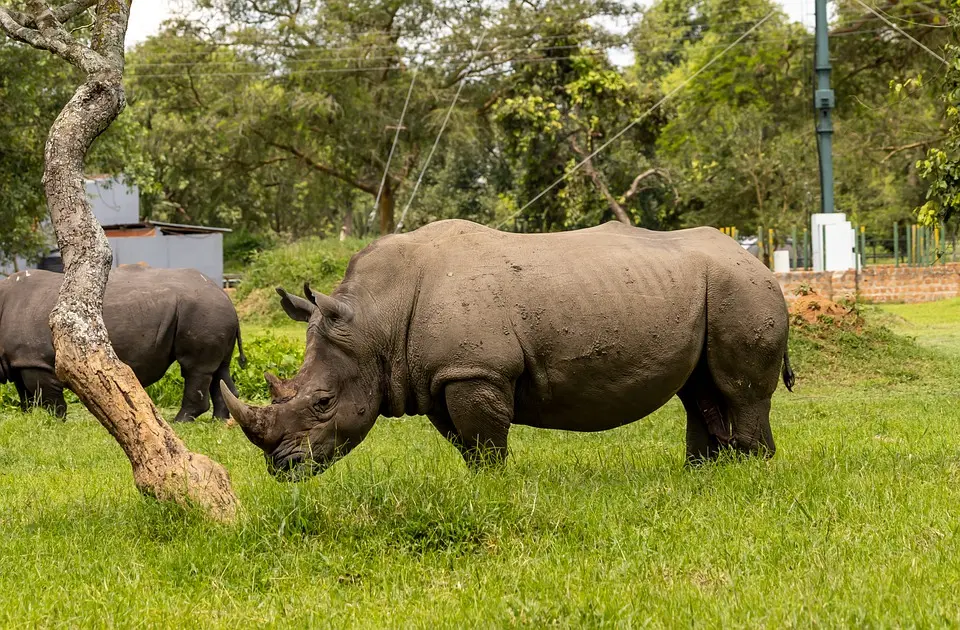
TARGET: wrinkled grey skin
(153,316)
(479,330)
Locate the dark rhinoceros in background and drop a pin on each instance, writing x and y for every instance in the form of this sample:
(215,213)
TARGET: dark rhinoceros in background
(479,330)
(153,316)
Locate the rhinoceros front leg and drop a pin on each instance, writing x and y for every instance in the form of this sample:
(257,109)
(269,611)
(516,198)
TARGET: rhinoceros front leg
(481,412)
(43,388)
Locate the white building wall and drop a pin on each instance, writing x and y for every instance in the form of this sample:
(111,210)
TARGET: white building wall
(113,201)
(203,252)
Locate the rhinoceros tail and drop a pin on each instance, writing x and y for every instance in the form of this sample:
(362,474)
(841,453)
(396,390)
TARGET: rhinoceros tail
(242,359)
(789,379)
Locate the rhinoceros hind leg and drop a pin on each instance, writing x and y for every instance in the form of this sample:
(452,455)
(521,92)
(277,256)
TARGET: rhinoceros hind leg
(41,387)
(196,396)
(219,404)
(700,398)
(481,413)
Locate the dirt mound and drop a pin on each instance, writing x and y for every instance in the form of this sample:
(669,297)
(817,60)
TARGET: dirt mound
(812,309)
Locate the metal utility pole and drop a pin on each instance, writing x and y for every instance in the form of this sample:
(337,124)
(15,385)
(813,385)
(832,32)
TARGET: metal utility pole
(824,102)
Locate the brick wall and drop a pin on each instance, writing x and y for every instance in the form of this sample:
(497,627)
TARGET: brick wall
(879,283)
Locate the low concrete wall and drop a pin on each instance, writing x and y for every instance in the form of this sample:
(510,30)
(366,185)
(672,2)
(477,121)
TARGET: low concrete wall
(878,283)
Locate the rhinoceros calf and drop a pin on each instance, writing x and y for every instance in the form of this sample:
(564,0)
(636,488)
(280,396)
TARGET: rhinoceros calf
(153,317)
(479,330)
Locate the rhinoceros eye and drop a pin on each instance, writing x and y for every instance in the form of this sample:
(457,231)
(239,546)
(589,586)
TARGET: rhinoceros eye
(322,403)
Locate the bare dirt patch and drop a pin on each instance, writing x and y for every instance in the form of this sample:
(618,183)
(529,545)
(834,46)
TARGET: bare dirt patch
(813,309)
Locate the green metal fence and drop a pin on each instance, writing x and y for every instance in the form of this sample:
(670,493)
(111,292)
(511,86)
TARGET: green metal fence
(908,244)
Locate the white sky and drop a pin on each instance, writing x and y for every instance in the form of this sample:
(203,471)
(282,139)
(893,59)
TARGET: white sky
(147,15)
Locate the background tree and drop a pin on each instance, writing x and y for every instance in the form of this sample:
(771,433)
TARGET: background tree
(941,166)
(278,117)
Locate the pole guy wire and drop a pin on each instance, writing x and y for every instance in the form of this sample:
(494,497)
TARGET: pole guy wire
(663,100)
(396,137)
(900,30)
(456,96)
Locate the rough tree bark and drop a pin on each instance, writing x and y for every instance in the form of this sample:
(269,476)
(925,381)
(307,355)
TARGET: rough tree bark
(162,465)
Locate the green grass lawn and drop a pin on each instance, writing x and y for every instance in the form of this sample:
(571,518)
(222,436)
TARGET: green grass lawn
(933,324)
(853,523)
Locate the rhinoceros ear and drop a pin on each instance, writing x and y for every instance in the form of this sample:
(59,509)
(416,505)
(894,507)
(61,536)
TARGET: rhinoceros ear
(331,308)
(296,307)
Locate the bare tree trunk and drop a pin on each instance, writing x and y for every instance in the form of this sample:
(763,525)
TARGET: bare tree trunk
(346,229)
(85,360)
(386,207)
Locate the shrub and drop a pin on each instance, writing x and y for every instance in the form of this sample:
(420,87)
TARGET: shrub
(321,262)
(239,248)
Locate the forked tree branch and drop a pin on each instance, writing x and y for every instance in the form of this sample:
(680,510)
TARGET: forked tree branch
(62,14)
(43,30)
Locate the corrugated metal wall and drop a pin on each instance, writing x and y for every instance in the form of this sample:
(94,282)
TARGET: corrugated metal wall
(203,252)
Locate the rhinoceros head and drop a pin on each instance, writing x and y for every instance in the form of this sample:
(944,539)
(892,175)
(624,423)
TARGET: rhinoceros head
(324,411)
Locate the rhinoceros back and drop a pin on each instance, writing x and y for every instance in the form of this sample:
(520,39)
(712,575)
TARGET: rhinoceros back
(147,312)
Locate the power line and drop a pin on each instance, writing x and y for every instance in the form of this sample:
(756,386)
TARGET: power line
(455,51)
(456,96)
(532,37)
(636,45)
(281,72)
(900,30)
(663,100)
(396,137)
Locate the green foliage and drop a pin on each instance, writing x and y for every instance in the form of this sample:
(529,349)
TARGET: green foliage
(322,262)
(33,88)
(288,132)
(241,247)
(266,351)
(941,166)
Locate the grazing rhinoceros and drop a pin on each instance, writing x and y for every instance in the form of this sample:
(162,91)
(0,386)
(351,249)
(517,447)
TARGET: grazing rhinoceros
(153,316)
(478,330)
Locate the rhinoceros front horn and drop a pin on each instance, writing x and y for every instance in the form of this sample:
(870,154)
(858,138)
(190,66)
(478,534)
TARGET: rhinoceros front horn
(254,422)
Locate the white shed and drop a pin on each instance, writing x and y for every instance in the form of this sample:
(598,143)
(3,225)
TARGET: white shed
(116,205)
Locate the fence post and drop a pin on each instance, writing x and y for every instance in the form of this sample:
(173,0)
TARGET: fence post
(911,243)
(857,252)
(936,243)
(760,244)
(807,263)
(920,245)
(795,249)
(823,245)
(772,249)
(896,244)
(863,246)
